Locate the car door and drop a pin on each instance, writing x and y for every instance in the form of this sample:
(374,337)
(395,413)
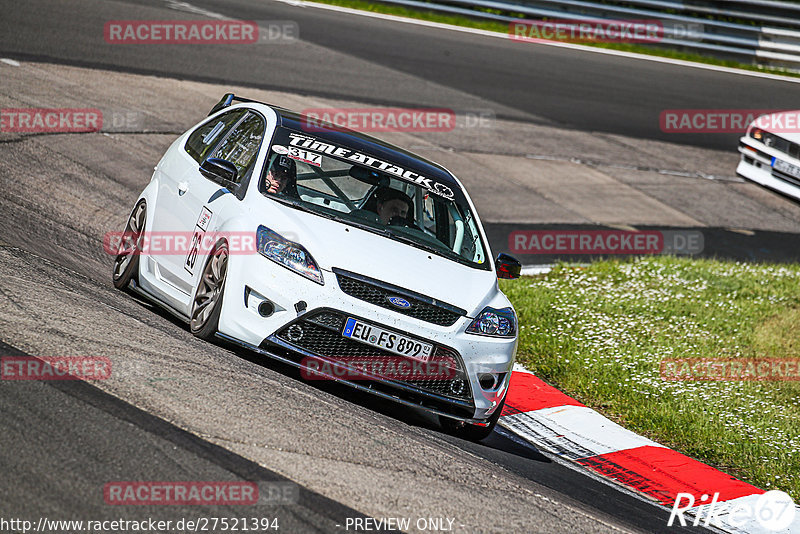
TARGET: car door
(176,208)
(210,202)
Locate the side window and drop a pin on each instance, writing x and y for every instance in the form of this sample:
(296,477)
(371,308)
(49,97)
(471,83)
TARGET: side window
(242,144)
(206,137)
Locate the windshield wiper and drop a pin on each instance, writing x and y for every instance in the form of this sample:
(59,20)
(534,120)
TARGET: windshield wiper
(422,245)
(365,226)
(387,232)
(303,207)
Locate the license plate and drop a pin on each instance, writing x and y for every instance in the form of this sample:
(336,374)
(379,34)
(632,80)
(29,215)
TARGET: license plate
(386,340)
(785,166)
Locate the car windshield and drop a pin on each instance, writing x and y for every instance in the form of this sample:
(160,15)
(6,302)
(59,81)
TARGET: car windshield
(346,185)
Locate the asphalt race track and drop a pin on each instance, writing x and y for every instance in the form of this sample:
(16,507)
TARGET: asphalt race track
(386,63)
(176,408)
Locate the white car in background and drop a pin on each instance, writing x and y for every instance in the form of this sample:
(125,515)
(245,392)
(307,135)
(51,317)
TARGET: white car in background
(770,152)
(406,306)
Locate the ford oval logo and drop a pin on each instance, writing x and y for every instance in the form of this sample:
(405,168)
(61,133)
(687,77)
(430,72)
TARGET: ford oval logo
(398,302)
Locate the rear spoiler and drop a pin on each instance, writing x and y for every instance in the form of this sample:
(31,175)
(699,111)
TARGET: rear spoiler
(229,99)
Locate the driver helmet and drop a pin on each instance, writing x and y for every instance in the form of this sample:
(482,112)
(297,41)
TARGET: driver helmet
(286,166)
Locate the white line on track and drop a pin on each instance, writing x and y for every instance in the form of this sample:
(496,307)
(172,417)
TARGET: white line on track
(189,8)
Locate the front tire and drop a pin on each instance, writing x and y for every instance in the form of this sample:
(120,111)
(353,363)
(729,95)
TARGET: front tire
(207,303)
(126,264)
(470,432)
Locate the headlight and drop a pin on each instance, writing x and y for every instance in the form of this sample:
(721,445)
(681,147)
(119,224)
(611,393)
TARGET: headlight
(287,253)
(757,134)
(492,322)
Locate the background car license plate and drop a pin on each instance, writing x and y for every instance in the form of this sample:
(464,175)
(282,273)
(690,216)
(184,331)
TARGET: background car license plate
(786,167)
(386,340)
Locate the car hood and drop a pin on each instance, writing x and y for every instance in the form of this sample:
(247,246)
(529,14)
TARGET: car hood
(335,244)
(785,124)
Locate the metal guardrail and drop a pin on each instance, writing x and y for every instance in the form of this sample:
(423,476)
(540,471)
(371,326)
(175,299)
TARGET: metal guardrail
(763,32)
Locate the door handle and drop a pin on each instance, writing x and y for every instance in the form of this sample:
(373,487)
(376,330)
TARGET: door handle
(182,188)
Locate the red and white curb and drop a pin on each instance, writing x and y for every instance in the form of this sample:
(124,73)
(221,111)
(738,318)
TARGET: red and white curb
(547,418)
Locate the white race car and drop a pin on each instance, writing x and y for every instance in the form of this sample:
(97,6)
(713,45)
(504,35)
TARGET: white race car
(771,152)
(331,251)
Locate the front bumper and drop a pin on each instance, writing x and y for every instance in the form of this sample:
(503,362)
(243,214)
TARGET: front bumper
(411,398)
(252,279)
(756,165)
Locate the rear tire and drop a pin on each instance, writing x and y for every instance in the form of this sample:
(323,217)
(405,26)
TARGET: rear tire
(126,264)
(207,302)
(468,431)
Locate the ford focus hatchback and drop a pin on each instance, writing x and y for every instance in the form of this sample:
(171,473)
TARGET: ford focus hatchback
(329,250)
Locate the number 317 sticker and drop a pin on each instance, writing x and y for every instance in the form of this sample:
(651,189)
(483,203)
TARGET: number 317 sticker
(312,158)
(305,156)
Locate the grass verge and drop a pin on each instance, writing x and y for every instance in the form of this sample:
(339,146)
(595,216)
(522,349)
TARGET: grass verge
(501,27)
(599,333)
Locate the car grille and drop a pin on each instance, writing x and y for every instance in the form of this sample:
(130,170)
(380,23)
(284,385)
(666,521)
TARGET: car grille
(320,332)
(377,293)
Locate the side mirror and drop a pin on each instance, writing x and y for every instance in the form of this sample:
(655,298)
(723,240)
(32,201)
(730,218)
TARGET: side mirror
(218,169)
(507,266)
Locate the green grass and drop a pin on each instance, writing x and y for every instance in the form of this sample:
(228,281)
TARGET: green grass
(501,27)
(599,333)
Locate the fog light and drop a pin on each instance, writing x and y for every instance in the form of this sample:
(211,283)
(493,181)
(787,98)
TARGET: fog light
(266,308)
(488,381)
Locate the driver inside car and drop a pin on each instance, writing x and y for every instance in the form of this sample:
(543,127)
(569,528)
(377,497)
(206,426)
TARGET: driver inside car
(282,176)
(393,206)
